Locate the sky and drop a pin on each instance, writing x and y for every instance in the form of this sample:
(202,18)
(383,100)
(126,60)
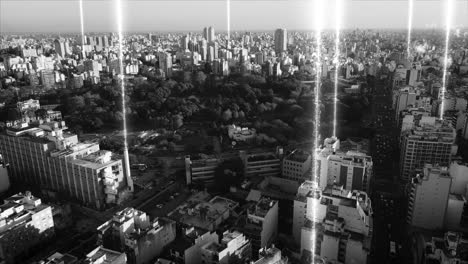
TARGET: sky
(193,15)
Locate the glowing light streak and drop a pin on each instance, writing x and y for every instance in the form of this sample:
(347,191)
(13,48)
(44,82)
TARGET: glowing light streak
(410,26)
(318,27)
(448,17)
(338,14)
(122,87)
(82,30)
(228,37)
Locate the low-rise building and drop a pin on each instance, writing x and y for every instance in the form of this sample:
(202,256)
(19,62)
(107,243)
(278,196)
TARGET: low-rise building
(261,164)
(297,166)
(25,222)
(337,222)
(261,225)
(234,247)
(58,258)
(186,248)
(452,248)
(271,255)
(202,212)
(132,232)
(101,255)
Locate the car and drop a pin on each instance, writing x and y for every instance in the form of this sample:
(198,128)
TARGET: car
(172,197)
(176,194)
(159,206)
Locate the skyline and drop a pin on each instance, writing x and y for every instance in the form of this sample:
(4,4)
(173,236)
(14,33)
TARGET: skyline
(153,16)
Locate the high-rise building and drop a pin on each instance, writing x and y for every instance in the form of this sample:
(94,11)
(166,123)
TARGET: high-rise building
(25,222)
(211,35)
(430,140)
(132,232)
(261,226)
(233,246)
(341,223)
(165,63)
(281,40)
(60,48)
(205,33)
(48,79)
(46,155)
(428,198)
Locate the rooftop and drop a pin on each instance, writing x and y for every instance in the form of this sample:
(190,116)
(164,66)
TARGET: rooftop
(298,156)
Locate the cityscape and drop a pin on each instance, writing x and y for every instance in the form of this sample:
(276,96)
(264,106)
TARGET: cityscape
(211,141)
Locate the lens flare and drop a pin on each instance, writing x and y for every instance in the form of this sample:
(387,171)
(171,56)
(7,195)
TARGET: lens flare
(122,87)
(410,26)
(448,17)
(82,30)
(338,14)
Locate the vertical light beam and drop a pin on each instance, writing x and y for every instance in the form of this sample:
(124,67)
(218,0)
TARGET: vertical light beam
(82,30)
(448,18)
(338,14)
(228,16)
(122,87)
(410,27)
(318,27)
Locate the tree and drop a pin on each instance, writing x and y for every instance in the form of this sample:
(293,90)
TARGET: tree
(227,115)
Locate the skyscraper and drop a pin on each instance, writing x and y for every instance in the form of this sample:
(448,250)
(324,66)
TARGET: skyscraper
(281,40)
(211,35)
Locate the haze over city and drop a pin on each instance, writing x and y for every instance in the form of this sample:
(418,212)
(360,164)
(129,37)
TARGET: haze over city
(144,15)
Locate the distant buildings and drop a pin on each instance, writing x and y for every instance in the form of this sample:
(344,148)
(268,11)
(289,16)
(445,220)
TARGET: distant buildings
(132,232)
(241,133)
(25,222)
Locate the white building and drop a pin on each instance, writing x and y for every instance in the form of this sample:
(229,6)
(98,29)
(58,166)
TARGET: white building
(233,246)
(459,173)
(186,248)
(341,222)
(132,232)
(428,198)
(351,169)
